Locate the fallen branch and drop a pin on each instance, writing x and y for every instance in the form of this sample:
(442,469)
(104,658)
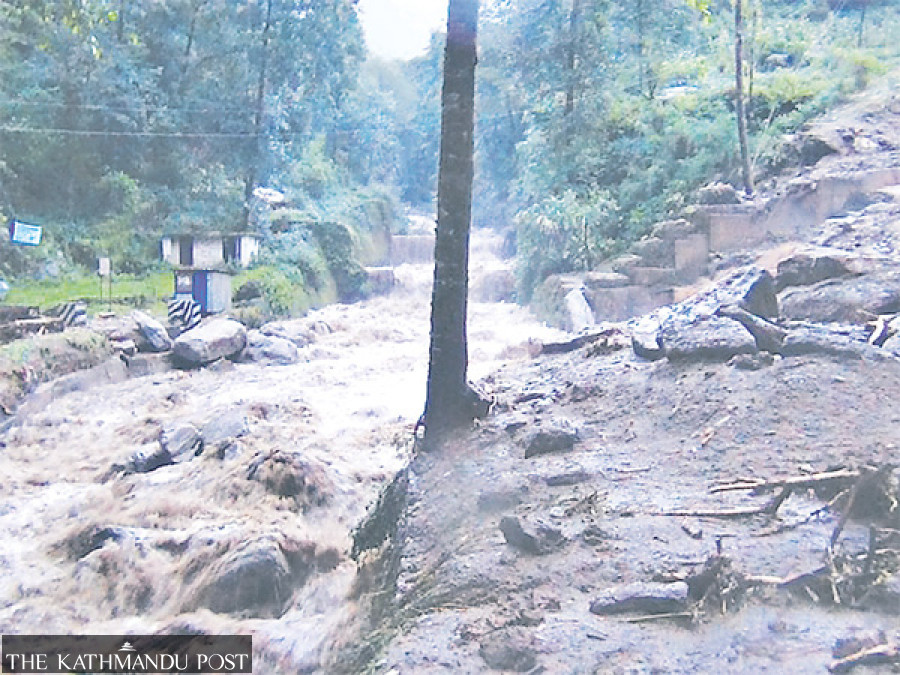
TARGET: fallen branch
(878,655)
(793,482)
(657,617)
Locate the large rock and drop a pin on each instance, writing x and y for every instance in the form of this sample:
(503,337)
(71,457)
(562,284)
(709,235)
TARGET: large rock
(298,331)
(253,580)
(751,288)
(832,340)
(270,349)
(156,338)
(534,539)
(216,339)
(848,300)
(642,598)
(812,265)
(707,338)
(558,435)
(181,442)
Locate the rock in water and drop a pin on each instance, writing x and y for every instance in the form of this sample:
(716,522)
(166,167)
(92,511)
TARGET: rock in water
(182,442)
(642,598)
(254,580)
(219,338)
(155,334)
(270,348)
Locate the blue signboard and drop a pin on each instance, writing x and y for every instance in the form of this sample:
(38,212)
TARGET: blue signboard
(24,234)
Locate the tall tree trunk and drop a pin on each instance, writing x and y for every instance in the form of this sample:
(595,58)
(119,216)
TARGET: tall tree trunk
(255,153)
(739,96)
(450,402)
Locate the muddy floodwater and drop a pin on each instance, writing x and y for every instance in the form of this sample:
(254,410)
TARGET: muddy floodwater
(292,457)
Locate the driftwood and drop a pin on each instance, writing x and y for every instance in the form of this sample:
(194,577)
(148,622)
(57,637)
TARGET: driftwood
(578,342)
(792,482)
(870,656)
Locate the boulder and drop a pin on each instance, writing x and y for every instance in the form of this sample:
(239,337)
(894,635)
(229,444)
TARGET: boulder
(559,435)
(847,300)
(810,266)
(297,331)
(854,300)
(270,349)
(642,598)
(751,288)
(146,459)
(181,442)
(252,580)
(831,340)
(216,339)
(534,539)
(156,338)
(708,338)
(225,426)
(671,230)
(291,476)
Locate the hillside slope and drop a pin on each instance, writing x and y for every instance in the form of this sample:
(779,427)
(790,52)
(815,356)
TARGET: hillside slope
(555,537)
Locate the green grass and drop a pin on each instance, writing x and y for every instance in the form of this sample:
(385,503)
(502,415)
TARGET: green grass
(148,292)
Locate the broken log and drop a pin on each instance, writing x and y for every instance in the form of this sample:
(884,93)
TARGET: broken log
(878,655)
(794,482)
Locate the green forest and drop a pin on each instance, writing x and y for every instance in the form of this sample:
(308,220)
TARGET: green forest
(123,121)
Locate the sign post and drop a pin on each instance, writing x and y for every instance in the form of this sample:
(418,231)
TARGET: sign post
(104,269)
(24,234)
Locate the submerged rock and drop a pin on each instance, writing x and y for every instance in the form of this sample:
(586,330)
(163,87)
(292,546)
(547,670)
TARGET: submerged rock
(181,442)
(270,348)
(255,580)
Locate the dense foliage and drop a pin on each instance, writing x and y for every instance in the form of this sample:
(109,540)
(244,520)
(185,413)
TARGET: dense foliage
(121,121)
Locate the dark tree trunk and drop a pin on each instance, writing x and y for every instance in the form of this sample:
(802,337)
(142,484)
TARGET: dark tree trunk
(739,96)
(451,403)
(253,163)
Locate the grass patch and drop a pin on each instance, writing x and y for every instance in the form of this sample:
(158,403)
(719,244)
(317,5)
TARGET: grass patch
(149,292)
